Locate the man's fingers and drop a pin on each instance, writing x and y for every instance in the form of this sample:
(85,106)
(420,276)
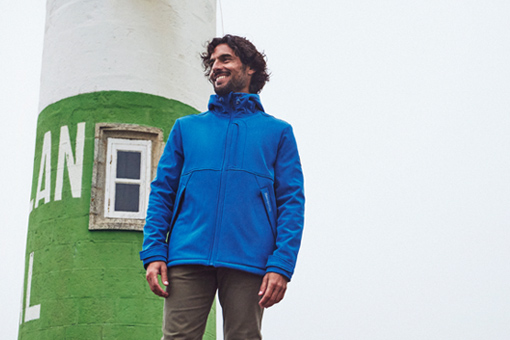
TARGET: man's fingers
(164,275)
(264,291)
(263,286)
(266,301)
(153,270)
(274,294)
(275,288)
(269,298)
(281,295)
(159,291)
(152,279)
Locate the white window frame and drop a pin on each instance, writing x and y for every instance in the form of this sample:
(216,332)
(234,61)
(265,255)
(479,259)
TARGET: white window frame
(132,132)
(114,145)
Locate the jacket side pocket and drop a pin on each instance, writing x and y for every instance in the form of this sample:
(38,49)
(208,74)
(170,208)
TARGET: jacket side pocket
(177,206)
(266,198)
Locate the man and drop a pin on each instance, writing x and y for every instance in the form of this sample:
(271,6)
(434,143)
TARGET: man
(226,208)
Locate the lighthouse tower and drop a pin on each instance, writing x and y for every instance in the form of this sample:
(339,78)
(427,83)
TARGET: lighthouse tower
(115,76)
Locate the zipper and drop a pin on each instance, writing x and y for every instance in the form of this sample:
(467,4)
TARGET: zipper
(221,193)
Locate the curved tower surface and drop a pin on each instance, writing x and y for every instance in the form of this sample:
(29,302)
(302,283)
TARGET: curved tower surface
(115,76)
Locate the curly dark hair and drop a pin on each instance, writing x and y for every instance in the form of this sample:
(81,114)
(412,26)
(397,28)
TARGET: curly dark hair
(248,54)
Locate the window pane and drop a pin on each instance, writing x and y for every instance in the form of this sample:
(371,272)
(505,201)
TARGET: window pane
(127,197)
(128,164)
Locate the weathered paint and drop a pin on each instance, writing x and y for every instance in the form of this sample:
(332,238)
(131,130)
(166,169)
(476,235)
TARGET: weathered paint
(31,312)
(88,284)
(65,157)
(44,172)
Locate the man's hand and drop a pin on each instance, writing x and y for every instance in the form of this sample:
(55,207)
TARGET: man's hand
(153,270)
(272,289)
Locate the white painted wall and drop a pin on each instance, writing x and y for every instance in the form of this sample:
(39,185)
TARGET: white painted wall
(149,46)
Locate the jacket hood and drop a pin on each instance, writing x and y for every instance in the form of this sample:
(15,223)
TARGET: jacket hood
(235,101)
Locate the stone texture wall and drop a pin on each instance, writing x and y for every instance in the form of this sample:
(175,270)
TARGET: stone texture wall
(90,284)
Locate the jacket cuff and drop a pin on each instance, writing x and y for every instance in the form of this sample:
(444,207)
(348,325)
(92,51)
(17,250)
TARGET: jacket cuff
(154,251)
(280,266)
(153,259)
(280,271)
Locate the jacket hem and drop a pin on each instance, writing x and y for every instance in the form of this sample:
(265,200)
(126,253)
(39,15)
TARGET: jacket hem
(217,264)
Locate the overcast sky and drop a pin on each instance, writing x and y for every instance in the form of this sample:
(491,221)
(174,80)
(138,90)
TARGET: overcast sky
(401,110)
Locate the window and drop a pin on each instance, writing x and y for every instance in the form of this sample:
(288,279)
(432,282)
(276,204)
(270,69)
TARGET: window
(125,161)
(127,178)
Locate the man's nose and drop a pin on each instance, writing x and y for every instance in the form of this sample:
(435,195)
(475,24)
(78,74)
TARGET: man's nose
(215,66)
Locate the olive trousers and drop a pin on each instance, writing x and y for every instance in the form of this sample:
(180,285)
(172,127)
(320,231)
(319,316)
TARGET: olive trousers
(191,293)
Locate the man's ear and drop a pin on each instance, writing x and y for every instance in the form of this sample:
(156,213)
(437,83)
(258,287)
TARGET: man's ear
(250,71)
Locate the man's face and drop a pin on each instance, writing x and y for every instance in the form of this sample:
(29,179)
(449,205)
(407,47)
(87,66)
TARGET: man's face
(228,74)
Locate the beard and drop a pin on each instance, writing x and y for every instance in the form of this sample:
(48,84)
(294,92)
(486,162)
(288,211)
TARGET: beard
(236,83)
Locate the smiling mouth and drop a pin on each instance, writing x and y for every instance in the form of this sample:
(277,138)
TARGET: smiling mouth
(219,78)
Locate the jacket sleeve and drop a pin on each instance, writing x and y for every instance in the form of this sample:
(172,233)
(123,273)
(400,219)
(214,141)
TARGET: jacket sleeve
(161,200)
(290,203)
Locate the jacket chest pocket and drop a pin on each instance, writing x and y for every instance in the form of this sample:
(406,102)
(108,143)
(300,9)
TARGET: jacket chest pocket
(237,144)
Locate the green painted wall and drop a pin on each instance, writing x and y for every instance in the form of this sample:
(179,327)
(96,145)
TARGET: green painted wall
(91,284)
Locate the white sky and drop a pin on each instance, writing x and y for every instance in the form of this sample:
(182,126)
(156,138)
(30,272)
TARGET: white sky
(402,114)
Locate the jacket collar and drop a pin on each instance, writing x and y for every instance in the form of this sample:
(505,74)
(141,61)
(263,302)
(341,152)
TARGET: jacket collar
(235,102)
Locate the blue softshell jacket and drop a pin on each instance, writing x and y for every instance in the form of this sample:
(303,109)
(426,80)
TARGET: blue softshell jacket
(228,191)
